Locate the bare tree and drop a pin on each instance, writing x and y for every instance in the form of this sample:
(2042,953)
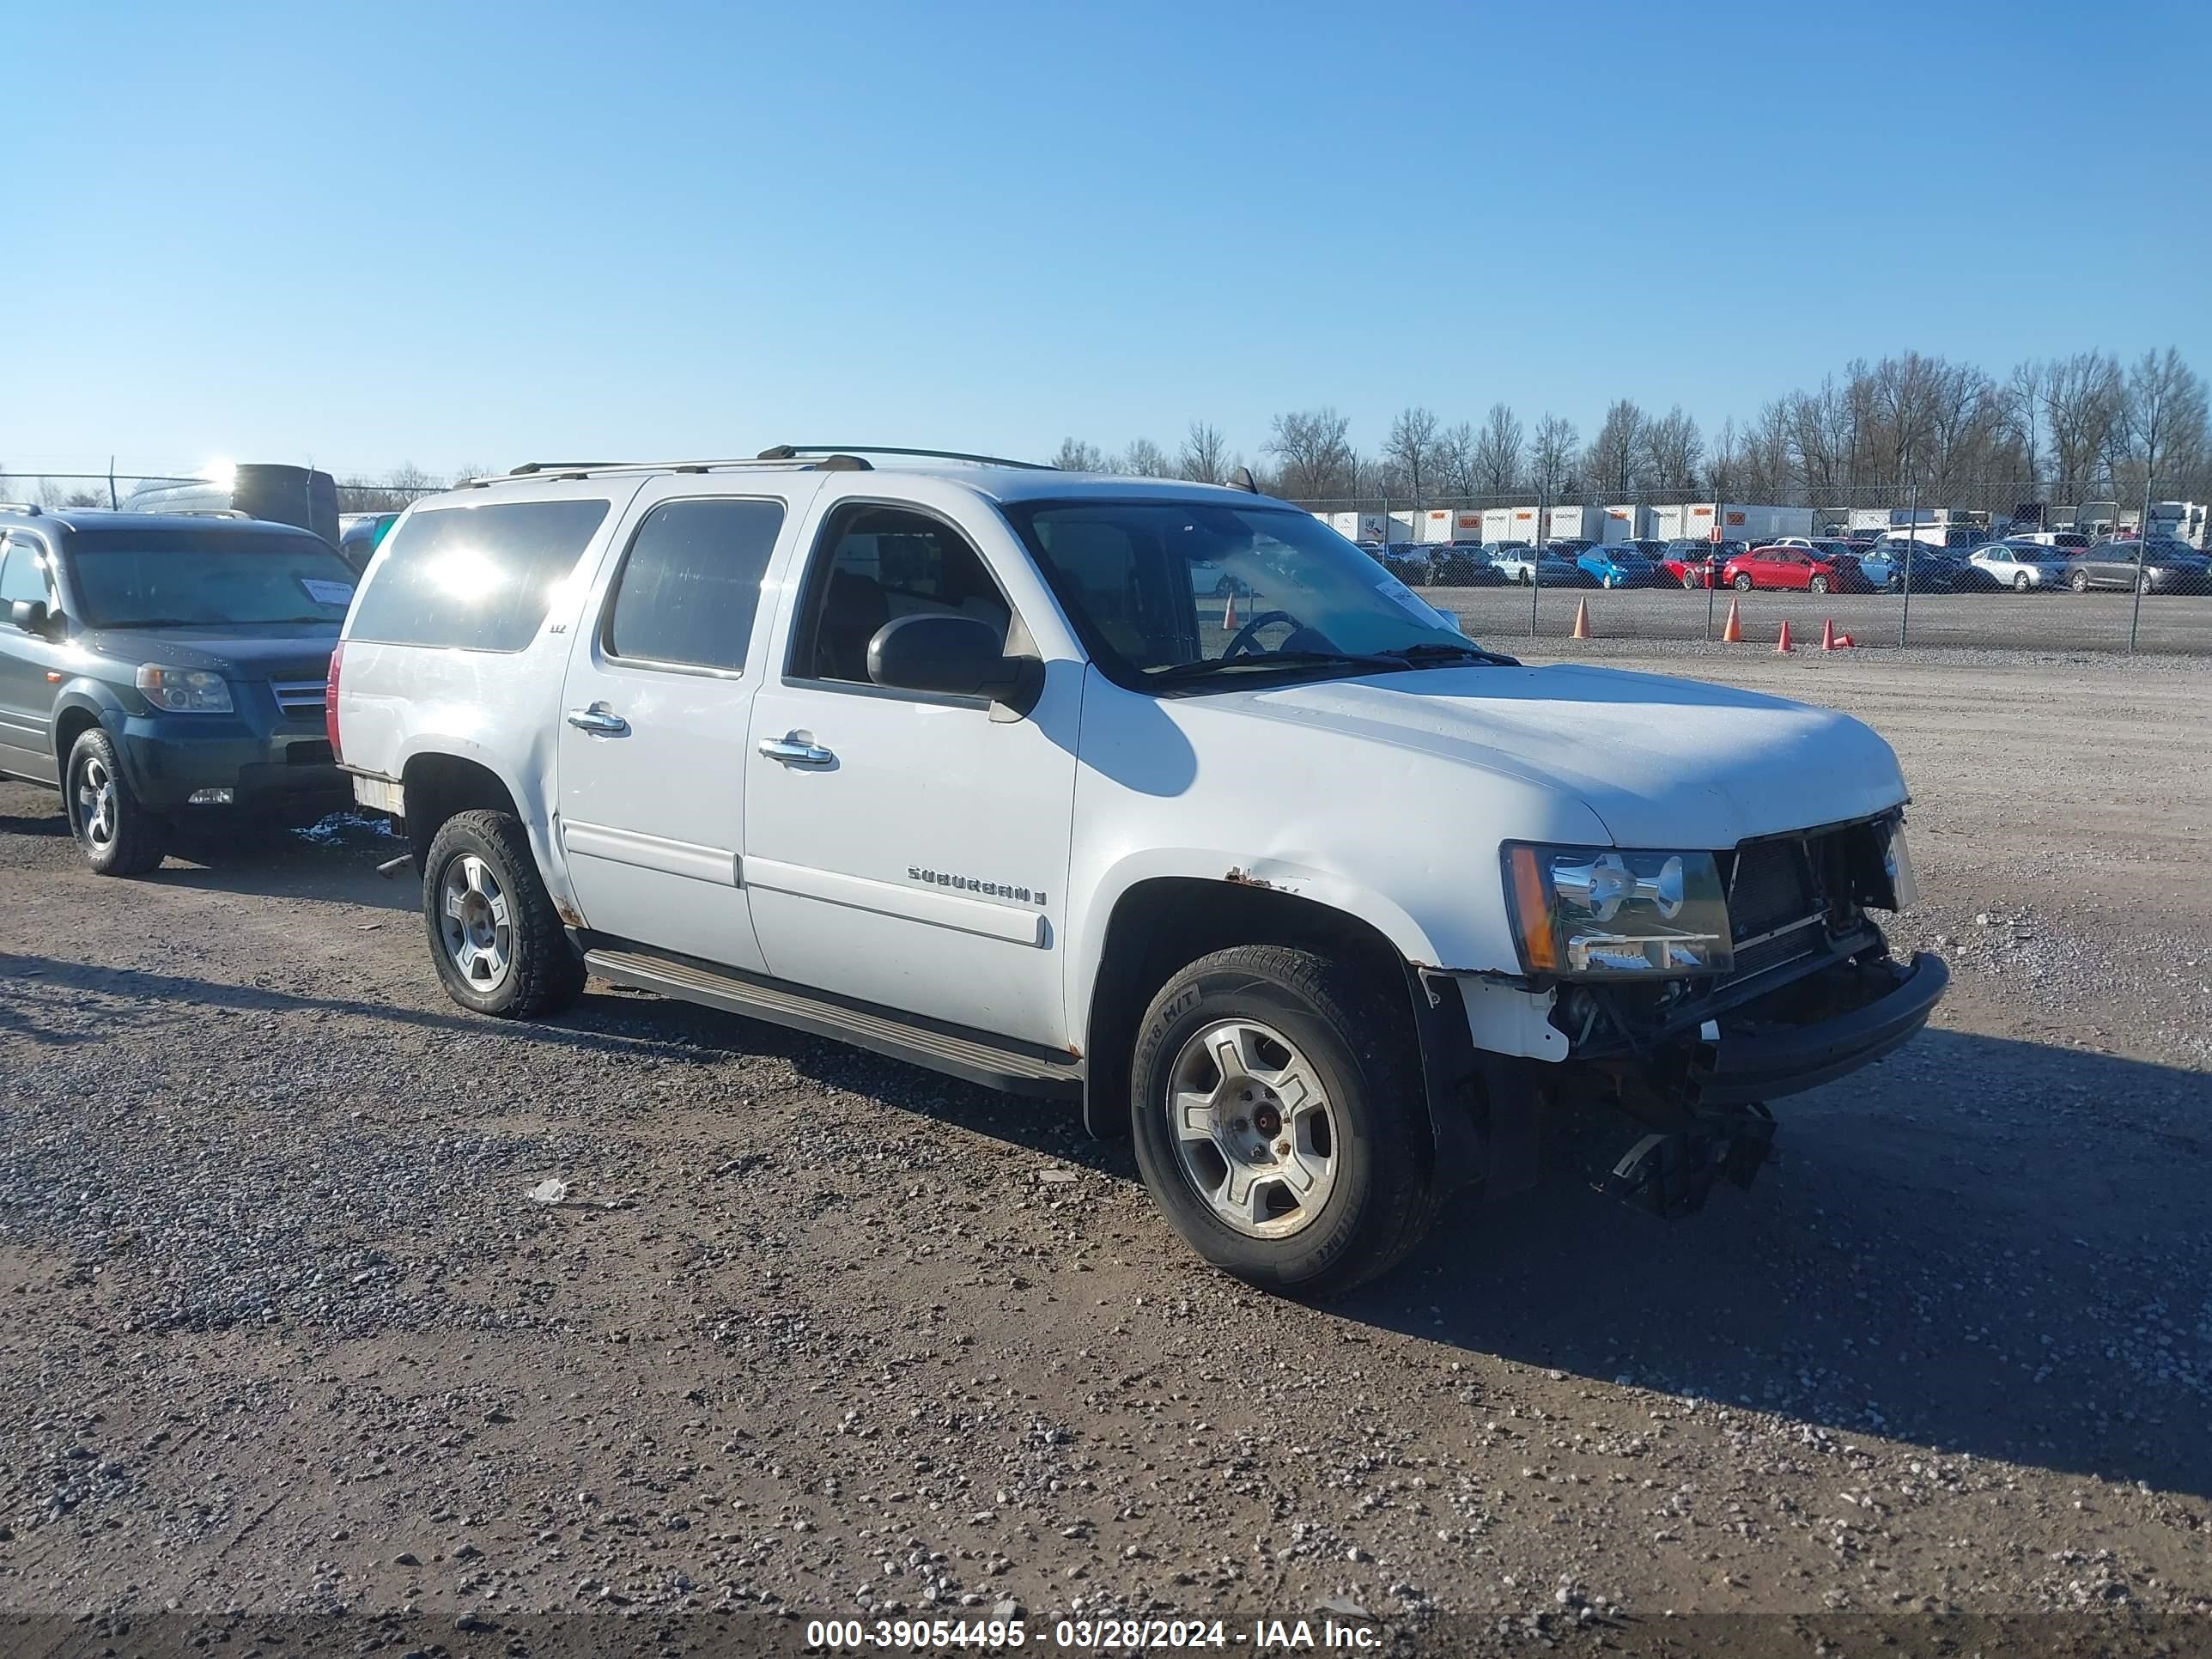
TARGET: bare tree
(2164,417)
(1315,454)
(1551,455)
(1455,447)
(2081,397)
(1146,459)
(1673,448)
(1078,456)
(1205,458)
(1613,463)
(1410,452)
(1498,451)
(1725,467)
(2021,400)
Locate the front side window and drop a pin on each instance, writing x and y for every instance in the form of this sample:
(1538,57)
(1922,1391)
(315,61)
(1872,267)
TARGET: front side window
(21,576)
(475,578)
(875,564)
(689,587)
(1169,593)
(206,578)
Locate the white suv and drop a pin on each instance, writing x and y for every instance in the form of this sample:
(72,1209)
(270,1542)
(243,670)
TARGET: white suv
(1268,866)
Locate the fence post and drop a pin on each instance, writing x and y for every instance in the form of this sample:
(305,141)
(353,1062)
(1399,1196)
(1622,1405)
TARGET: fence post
(1536,561)
(1911,541)
(2142,549)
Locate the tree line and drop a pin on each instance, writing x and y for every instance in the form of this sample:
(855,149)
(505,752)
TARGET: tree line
(2060,427)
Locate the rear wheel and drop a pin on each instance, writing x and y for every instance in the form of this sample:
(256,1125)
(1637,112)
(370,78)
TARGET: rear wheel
(1279,1121)
(2080,582)
(2021,583)
(118,835)
(1819,584)
(494,933)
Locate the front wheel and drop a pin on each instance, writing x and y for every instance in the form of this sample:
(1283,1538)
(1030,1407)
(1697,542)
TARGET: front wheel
(494,933)
(1278,1119)
(1742,583)
(119,836)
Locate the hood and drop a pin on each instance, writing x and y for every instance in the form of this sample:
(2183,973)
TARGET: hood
(1662,761)
(278,651)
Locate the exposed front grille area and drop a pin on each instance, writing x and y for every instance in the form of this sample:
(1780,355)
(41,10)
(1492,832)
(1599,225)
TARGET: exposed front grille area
(1778,896)
(299,696)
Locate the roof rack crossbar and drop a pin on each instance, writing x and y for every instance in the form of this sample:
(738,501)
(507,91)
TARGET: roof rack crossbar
(778,455)
(30,509)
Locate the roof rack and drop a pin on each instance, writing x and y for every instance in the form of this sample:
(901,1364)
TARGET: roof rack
(30,509)
(826,458)
(792,452)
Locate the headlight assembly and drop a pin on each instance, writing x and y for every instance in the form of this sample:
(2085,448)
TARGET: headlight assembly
(184,690)
(1600,912)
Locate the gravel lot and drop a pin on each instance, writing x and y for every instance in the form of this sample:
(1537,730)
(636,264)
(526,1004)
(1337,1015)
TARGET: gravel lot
(2170,623)
(293,1363)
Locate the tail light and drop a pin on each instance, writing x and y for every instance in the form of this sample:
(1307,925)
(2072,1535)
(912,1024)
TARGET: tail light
(330,702)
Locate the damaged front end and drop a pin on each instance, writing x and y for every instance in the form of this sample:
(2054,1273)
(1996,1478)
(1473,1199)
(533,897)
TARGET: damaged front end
(1673,1077)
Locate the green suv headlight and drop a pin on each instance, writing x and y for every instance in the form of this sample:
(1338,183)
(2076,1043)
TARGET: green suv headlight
(1601,912)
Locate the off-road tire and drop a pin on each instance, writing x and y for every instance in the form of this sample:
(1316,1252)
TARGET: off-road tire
(545,974)
(1357,1036)
(135,837)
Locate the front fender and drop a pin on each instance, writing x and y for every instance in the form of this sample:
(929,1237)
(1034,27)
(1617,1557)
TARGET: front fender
(84,694)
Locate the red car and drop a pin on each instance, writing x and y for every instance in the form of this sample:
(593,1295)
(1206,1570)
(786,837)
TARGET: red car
(1691,563)
(1802,569)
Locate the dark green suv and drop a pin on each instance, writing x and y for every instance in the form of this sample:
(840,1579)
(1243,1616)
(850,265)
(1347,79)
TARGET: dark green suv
(168,671)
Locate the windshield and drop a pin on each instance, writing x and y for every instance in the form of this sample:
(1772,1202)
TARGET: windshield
(1161,591)
(188,578)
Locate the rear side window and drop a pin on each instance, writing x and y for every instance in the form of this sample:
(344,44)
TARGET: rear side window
(690,585)
(21,575)
(475,578)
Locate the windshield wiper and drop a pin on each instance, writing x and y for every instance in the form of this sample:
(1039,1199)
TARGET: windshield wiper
(1205,665)
(1439,652)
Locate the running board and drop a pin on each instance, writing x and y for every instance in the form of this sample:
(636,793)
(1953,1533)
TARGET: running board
(1023,1070)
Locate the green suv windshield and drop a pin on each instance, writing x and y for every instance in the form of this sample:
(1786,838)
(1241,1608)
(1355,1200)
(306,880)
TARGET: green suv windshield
(1168,592)
(198,579)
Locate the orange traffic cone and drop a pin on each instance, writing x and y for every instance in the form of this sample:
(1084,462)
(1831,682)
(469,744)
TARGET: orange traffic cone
(1828,634)
(1582,621)
(1783,646)
(1733,632)
(1845,642)
(1229,612)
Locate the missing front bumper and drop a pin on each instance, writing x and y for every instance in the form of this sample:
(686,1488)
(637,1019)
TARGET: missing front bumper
(1758,1060)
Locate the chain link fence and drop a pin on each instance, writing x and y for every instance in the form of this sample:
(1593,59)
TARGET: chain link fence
(1970,562)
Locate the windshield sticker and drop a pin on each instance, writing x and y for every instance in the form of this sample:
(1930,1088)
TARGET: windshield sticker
(1415,606)
(324,592)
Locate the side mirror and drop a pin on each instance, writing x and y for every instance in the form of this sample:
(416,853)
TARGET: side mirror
(31,616)
(952,656)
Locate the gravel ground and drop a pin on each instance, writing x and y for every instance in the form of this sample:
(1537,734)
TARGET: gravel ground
(2170,623)
(294,1364)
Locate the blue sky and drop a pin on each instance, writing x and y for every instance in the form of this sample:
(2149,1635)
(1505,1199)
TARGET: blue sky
(455,234)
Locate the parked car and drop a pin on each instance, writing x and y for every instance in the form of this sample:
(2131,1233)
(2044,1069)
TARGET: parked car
(1409,562)
(1696,563)
(1618,565)
(689,731)
(166,672)
(1797,568)
(1933,569)
(359,536)
(2021,566)
(1462,564)
(1546,567)
(2170,567)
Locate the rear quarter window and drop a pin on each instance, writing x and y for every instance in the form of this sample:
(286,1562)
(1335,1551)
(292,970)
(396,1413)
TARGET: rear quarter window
(474,578)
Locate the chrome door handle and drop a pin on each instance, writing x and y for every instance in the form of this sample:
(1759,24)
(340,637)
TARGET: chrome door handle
(598,718)
(797,749)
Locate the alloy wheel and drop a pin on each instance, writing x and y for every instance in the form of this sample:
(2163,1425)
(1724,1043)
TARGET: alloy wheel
(1252,1127)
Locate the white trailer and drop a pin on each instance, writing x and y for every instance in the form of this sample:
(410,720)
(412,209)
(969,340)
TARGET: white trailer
(1742,521)
(1465,525)
(1627,523)
(1670,523)
(1404,527)
(1435,525)
(1510,523)
(1582,523)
